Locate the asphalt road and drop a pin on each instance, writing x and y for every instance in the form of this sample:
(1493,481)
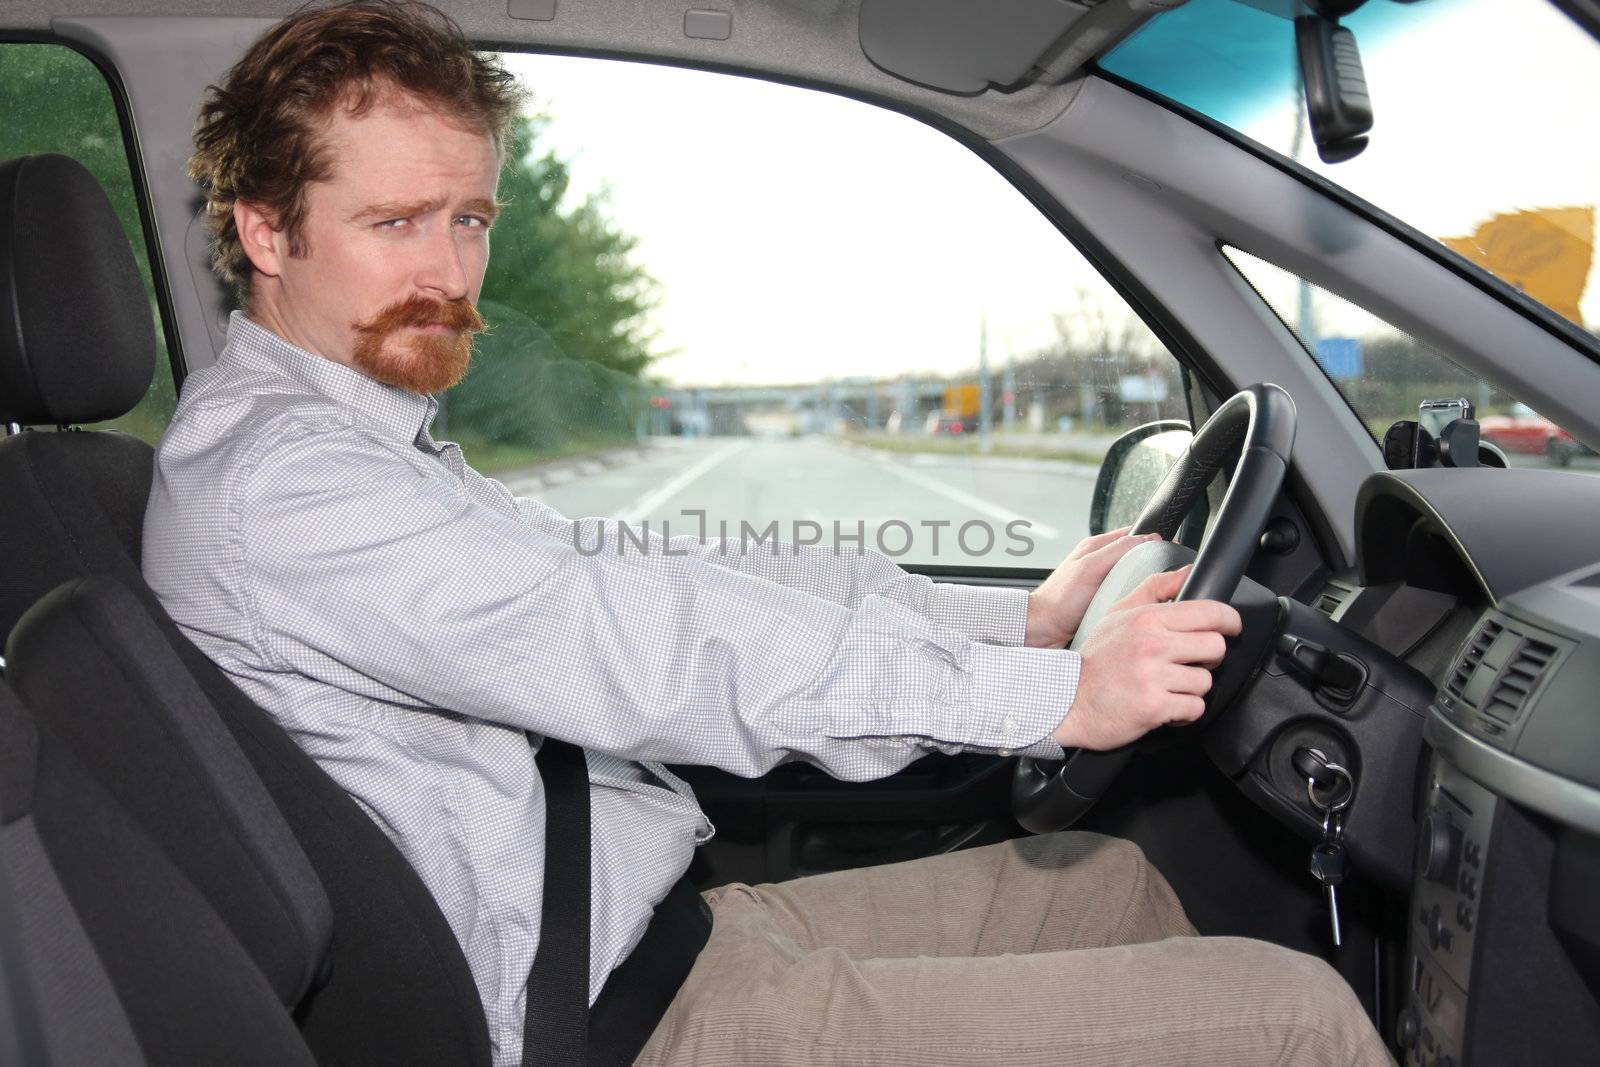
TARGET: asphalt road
(957,510)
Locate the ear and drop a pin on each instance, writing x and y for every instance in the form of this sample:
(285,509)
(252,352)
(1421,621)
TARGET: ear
(263,242)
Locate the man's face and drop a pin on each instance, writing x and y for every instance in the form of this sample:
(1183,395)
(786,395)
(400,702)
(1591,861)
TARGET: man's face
(396,242)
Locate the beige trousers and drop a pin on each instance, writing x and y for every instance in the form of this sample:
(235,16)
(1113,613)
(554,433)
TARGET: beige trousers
(1063,949)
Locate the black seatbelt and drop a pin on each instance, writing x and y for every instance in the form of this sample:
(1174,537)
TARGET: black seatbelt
(555,1026)
(558,1028)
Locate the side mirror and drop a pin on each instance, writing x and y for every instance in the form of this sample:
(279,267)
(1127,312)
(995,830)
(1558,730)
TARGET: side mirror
(1133,470)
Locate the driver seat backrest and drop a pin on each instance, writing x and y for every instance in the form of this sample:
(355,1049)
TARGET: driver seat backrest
(57,1004)
(127,962)
(90,664)
(76,346)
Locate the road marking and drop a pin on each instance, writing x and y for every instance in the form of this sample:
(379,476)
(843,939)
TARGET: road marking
(976,503)
(641,508)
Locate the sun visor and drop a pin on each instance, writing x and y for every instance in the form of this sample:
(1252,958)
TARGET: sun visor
(968,46)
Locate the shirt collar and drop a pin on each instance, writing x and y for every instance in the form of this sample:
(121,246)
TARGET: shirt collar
(395,411)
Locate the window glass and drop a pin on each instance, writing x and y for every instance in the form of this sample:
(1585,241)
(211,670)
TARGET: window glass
(1384,373)
(758,311)
(1481,138)
(55,100)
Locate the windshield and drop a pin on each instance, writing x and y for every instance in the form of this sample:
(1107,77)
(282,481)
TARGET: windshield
(1481,139)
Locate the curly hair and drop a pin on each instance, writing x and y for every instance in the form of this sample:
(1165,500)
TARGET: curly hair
(258,138)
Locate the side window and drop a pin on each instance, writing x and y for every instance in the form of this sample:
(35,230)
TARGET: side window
(55,100)
(749,310)
(1383,373)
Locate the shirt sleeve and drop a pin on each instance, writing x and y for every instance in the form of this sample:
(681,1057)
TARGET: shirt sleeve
(378,577)
(845,574)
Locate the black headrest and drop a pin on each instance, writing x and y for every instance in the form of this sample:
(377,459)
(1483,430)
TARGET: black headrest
(77,342)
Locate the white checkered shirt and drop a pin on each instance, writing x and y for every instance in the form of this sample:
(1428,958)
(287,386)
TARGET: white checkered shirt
(410,622)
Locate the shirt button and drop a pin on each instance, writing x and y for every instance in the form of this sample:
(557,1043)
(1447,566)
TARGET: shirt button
(1004,752)
(1009,727)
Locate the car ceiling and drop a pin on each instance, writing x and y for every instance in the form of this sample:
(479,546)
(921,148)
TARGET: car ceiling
(942,57)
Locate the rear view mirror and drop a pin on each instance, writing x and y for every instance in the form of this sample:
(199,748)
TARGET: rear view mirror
(1337,104)
(1132,471)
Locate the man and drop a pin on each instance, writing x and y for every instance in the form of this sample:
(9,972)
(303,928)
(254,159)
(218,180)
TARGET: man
(413,624)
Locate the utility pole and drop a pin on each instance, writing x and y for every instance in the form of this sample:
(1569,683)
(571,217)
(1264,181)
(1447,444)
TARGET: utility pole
(984,442)
(1008,396)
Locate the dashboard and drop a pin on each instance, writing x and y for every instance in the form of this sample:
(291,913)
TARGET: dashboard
(1488,582)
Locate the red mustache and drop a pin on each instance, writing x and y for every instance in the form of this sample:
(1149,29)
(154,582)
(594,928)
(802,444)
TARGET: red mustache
(427,364)
(418,311)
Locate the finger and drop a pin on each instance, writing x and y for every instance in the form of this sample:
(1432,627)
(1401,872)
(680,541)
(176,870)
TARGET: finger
(1096,542)
(1098,563)
(1190,681)
(1155,589)
(1203,648)
(1185,709)
(1200,615)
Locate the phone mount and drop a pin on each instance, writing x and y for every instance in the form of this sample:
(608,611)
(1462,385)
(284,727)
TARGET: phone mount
(1407,446)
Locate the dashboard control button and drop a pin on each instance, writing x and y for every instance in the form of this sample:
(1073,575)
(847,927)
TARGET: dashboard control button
(1439,935)
(1464,916)
(1406,1028)
(1441,848)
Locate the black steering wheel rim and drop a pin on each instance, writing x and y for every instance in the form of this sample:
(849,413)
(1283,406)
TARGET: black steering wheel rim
(1258,422)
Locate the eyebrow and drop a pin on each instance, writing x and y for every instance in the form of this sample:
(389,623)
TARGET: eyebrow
(407,209)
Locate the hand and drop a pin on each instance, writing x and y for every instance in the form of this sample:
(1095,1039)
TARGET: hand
(1146,664)
(1056,608)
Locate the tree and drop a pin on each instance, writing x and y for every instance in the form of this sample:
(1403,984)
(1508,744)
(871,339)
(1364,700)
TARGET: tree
(568,269)
(567,307)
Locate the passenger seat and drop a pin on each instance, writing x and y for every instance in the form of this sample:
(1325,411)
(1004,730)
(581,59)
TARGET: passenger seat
(77,346)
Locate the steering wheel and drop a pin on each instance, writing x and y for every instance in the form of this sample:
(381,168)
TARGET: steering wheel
(1049,795)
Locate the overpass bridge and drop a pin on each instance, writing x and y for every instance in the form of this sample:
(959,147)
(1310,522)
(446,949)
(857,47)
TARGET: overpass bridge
(808,407)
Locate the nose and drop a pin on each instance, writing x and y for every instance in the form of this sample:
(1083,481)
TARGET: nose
(441,270)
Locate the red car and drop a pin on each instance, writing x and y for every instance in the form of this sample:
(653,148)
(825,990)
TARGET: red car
(1525,430)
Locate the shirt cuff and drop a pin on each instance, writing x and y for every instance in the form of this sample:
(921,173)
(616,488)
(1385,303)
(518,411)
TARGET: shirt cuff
(1018,698)
(992,614)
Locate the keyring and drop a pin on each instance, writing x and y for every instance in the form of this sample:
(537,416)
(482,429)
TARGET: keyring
(1332,825)
(1327,807)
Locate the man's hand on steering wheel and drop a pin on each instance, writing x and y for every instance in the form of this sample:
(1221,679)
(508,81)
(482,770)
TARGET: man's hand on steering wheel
(1146,664)
(1056,608)
(1146,675)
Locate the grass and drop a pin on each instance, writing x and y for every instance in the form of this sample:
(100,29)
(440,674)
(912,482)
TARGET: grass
(968,446)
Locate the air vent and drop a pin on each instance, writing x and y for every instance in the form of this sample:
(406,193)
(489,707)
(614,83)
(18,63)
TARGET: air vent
(1518,681)
(1462,674)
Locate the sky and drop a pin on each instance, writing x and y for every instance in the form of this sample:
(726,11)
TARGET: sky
(801,236)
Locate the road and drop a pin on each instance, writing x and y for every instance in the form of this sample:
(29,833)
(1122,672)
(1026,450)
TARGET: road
(956,510)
